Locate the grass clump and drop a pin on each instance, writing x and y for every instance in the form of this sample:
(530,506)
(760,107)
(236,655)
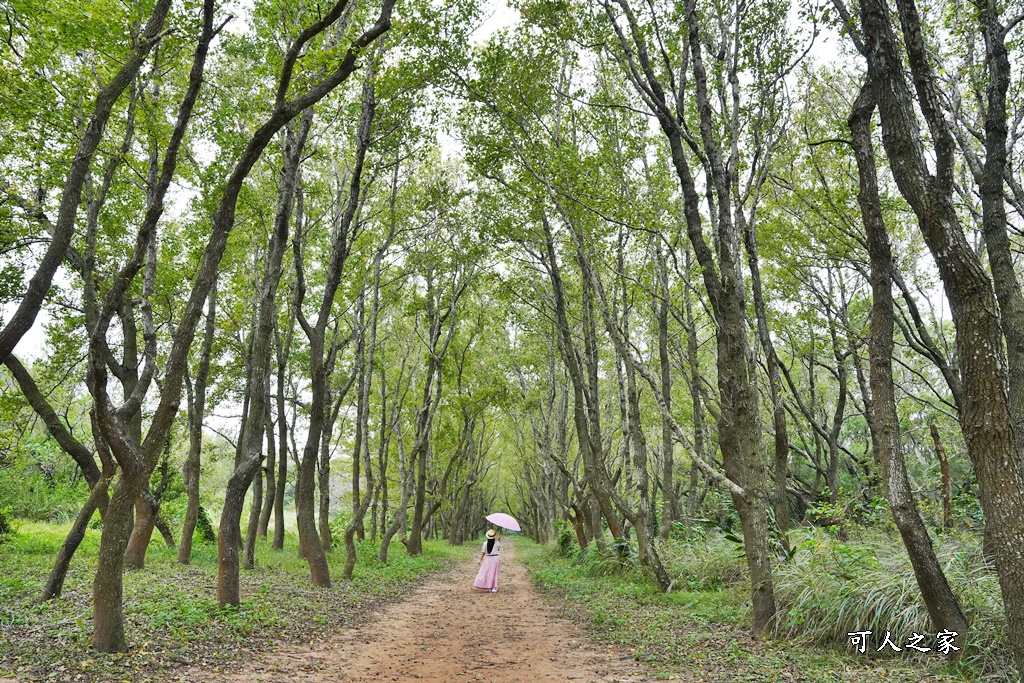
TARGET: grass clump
(831,588)
(701,560)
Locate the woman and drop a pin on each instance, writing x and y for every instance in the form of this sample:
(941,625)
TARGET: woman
(487,577)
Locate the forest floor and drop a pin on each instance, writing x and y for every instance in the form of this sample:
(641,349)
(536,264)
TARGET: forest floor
(414,619)
(448,632)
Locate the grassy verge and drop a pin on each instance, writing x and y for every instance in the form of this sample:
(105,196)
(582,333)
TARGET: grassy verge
(704,635)
(172,618)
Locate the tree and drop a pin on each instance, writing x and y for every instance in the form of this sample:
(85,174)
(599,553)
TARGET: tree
(665,95)
(985,416)
(71,194)
(943,607)
(137,464)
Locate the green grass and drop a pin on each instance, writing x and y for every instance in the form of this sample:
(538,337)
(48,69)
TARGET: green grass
(171,613)
(868,582)
(698,634)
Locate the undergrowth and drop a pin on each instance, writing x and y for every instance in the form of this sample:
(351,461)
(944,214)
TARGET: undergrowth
(172,617)
(831,588)
(826,590)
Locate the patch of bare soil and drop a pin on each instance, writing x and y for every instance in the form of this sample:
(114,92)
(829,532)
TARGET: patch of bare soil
(446,631)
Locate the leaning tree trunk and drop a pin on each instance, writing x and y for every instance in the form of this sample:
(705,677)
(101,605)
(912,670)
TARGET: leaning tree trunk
(985,418)
(86,462)
(55,581)
(586,407)
(943,607)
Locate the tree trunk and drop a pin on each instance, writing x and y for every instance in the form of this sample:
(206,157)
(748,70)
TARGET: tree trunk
(55,581)
(669,503)
(323,472)
(271,490)
(196,413)
(255,512)
(309,539)
(282,434)
(229,539)
(586,405)
(781,457)
(367,352)
(142,532)
(107,588)
(257,390)
(985,419)
(436,351)
(943,608)
(165,530)
(414,544)
(398,521)
(693,501)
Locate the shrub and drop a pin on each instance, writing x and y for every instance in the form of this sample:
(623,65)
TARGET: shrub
(339,525)
(40,493)
(5,525)
(567,544)
(204,527)
(618,559)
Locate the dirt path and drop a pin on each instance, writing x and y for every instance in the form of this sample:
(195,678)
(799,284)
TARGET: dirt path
(446,631)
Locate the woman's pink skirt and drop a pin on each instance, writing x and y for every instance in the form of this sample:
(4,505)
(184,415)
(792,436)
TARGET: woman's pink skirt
(487,577)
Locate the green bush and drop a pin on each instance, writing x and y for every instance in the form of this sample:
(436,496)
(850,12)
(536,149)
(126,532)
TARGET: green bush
(339,524)
(41,493)
(5,525)
(567,544)
(618,559)
(204,527)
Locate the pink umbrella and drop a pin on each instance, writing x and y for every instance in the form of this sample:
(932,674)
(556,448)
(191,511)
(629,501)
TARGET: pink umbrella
(504,521)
